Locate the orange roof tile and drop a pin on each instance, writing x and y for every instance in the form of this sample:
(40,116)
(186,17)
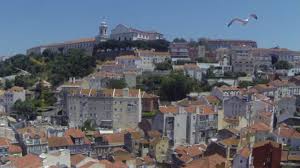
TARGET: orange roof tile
(154,134)
(27,161)
(211,161)
(114,138)
(75,133)
(286,131)
(13,149)
(230,141)
(245,152)
(75,159)
(259,126)
(168,109)
(58,141)
(4,142)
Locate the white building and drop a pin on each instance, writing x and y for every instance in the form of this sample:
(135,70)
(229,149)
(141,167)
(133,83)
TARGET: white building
(150,58)
(85,43)
(107,108)
(122,32)
(179,51)
(12,95)
(58,158)
(129,61)
(193,71)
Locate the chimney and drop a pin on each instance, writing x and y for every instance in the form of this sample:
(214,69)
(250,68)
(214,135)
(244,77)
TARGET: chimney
(125,92)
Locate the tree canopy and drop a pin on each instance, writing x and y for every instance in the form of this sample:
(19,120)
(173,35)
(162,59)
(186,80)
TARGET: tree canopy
(51,66)
(176,86)
(158,45)
(117,84)
(283,65)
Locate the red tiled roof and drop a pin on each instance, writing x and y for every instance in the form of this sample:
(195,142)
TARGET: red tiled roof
(27,161)
(4,142)
(154,134)
(245,152)
(13,149)
(168,109)
(211,161)
(259,126)
(58,141)
(114,138)
(75,133)
(75,159)
(285,131)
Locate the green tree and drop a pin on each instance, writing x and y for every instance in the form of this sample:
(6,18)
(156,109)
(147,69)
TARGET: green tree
(283,65)
(8,84)
(88,126)
(167,65)
(245,84)
(25,108)
(179,40)
(176,86)
(25,81)
(117,84)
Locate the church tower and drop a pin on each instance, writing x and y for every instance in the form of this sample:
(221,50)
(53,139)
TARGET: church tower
(103,32)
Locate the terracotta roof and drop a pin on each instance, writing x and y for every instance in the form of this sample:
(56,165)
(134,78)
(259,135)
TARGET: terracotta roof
(58,142)
(259,126)
(168,109)
(13,149)
(285,131)
(212,99)
(27,161)
(211,161)
(228,88)
(75,159)
(75,133)
(116,138)
(230,141)
(154,134)
(4,142)
(245,152)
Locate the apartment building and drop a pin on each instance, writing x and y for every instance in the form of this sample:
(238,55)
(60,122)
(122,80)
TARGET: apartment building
(107,108)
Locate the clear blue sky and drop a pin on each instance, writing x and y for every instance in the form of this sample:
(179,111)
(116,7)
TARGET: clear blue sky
(27,23)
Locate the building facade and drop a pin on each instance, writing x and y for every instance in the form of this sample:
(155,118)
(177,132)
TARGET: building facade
(123,33)
(86,44)
(12,95)
(108,108)
(242,60)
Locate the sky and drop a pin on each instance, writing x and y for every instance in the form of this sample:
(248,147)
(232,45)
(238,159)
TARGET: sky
(28,23)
